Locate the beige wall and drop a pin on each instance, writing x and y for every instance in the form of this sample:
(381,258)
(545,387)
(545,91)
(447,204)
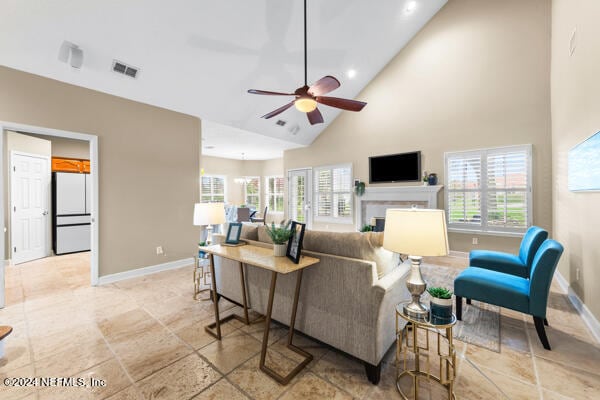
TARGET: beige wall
(14,141)
(148,165)
(476,76)
(68,148)
(575,117)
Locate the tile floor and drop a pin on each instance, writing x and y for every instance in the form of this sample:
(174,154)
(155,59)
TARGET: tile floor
(144,337)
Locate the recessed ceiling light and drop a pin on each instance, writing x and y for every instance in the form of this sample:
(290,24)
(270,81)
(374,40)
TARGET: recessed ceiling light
(410,7)
(351,73)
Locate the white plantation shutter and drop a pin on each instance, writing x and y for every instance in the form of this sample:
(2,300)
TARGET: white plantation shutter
(489,190)
(507,189)
(252,195)
(212,189)
(333,194)
(274,193)
(464,189)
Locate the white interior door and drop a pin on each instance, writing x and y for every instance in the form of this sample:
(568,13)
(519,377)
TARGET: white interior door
(30,201)
(300,195)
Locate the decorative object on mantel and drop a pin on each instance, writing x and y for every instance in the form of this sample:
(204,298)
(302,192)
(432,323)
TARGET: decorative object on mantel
(417,232)
(432,179)
(279,235)
(359,188)
(425,178)
(366,228)
(584,165)
(441,304)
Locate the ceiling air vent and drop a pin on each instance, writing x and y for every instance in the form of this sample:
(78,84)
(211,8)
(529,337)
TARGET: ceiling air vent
(122,68)
(280,122)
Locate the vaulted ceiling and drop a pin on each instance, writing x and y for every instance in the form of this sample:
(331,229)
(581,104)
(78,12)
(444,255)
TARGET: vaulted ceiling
(200,57)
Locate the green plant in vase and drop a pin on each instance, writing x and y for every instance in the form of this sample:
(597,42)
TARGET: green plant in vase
(279,234)
(441,304)
(366,228)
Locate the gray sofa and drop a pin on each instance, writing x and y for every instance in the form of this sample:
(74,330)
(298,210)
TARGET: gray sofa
(347,300)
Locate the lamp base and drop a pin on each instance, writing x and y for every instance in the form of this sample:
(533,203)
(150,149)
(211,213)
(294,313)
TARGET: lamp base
(209,230)
(416,311)
(416,286)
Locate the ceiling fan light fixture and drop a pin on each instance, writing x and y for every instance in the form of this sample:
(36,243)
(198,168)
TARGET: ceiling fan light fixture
(305,104)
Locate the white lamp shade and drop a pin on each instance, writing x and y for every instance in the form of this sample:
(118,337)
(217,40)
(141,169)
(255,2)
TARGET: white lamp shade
(209,213)
(416,232)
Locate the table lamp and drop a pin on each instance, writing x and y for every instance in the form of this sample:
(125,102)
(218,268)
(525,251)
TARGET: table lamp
(209,214)
(417,232)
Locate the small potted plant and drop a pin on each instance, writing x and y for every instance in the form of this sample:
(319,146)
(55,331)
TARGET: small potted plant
(425,178)
(359,188)
(366,228)
(201,254)
(441,304)
(279,235)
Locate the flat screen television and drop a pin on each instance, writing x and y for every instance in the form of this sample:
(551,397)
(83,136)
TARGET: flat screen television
(403,167)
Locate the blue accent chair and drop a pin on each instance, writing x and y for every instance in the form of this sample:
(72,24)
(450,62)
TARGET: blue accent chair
(510,263)
(529,296)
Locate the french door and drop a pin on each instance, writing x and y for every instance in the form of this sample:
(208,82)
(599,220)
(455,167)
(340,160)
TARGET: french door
(300,195)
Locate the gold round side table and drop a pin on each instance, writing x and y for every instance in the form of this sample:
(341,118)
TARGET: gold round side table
(409,347)
(201,274)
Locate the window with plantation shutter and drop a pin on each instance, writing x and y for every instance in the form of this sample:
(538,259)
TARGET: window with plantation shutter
(274,193)
(489,190)
(212,189)
(333,194)
(252,192)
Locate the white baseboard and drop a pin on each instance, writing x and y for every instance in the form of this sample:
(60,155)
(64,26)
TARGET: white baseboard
(134,273)
(587,316)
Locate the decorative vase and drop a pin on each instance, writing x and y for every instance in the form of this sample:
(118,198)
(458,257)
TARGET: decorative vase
(279,250)
(432,179)
(441,310)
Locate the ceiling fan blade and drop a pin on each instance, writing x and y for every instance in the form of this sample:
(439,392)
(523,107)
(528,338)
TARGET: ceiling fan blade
(278,111)
(257,91)
(324,85)
(315,117)
(344,104)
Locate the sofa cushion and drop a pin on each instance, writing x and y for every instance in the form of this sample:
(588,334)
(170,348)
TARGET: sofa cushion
(249,231)
(364,246)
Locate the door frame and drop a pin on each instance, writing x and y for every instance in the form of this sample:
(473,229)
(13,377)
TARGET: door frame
(309,192)
(93,141)
(48,225)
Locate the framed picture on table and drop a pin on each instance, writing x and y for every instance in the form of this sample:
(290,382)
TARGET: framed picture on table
(233,233)
(295,243)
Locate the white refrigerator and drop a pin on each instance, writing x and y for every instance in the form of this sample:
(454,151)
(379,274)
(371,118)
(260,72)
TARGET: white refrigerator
(71,218)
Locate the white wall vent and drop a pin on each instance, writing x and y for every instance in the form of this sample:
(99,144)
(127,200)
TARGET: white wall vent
(124,69)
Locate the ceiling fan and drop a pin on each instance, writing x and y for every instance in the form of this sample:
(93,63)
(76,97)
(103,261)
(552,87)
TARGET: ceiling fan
(307,97)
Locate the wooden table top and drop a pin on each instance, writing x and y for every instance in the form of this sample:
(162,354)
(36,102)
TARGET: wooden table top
(260,257)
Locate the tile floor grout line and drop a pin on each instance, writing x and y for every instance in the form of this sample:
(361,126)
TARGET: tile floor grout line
(535,370)
(117,358)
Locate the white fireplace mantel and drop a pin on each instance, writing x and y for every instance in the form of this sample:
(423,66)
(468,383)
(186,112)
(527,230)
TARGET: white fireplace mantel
(420,194)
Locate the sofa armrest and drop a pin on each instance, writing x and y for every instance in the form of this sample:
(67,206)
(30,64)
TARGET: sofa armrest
(393,278)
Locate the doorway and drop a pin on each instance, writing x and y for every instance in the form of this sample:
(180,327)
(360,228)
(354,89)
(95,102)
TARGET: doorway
(93,191)
(29,205)
(300,195)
